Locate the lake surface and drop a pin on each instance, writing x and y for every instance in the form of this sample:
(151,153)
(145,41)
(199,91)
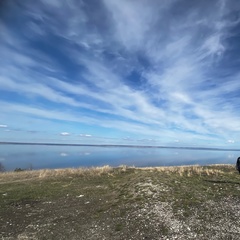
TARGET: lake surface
(44,156)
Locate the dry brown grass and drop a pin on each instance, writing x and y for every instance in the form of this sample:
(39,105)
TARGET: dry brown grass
(186,170)
(51,173)
(98,171)
(94,171)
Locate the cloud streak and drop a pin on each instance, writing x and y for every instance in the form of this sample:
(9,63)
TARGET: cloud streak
(164,71)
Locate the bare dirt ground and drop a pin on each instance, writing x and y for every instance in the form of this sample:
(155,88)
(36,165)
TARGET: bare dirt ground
(122,203)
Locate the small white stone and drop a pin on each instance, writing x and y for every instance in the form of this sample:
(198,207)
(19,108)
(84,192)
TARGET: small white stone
(80,196)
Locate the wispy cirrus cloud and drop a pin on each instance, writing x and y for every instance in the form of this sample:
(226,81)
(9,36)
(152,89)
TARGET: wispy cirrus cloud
(85,135)
(162,71)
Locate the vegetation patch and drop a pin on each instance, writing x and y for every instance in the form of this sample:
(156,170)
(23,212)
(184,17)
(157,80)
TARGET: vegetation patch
(189,202)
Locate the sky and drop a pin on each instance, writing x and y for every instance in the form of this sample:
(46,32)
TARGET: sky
(134,72)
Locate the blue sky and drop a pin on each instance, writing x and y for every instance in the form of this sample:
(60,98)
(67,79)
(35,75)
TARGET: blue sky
(142,72)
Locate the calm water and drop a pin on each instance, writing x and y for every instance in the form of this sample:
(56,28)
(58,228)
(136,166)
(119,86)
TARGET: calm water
(39,157)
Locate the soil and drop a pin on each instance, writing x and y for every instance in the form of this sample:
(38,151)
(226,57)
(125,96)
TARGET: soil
(122,204)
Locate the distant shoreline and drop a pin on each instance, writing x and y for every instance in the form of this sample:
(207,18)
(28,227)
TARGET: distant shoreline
(116,145)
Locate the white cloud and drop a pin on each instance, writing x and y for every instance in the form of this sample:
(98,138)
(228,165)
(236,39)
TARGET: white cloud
(213,45)
(88,135)
(178,98)
(65,133)
(3,126)
(85,135)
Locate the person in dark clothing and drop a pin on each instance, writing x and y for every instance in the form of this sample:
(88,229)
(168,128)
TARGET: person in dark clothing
(238,165)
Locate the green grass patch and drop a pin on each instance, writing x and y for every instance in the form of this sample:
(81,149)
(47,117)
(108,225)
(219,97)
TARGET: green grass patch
(134,202)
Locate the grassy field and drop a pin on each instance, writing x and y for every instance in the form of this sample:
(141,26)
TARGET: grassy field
(190,202)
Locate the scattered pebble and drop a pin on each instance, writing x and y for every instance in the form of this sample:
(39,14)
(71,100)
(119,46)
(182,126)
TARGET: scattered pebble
(80,196)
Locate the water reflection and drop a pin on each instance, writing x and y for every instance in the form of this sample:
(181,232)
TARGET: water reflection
(63,154)
(39,157)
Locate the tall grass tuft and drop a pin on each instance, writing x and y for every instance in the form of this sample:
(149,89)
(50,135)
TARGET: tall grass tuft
(186,170)
(98,171)
(51,173)
(94,171)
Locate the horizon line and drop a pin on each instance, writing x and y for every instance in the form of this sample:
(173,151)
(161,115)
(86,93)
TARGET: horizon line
(118,145)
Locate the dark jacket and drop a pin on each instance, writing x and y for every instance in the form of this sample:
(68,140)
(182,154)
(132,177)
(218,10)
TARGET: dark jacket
(238,165)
